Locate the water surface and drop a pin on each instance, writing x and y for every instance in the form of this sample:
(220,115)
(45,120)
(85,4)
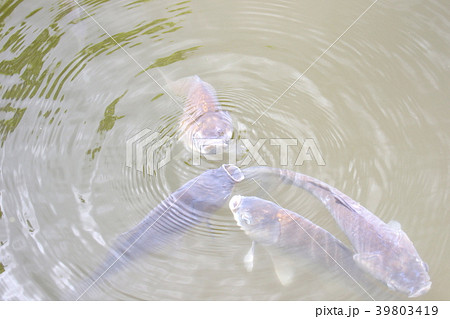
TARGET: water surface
(76,85)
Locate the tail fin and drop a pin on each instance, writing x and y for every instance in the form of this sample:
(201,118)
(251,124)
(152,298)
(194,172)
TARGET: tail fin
(97,283)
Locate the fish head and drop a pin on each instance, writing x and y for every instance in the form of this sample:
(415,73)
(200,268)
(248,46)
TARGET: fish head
(409,273)
(258,218)
(401,268)
(410,278)
(213,132)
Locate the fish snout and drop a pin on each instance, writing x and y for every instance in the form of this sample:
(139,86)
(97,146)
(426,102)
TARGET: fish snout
(210,146)
(421,291)
(234,172)
(235,202)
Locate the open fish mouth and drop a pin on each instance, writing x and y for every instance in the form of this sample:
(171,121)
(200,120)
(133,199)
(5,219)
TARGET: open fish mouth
(233,172)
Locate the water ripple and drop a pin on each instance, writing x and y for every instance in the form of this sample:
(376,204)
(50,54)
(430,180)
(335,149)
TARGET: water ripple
(375,106)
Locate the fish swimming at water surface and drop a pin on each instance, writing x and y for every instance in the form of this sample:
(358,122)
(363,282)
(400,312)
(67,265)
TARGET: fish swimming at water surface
(204,125)
(286,234)
(190,205)
(383,250)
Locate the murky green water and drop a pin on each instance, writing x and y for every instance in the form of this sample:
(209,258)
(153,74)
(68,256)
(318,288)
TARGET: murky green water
(75,87)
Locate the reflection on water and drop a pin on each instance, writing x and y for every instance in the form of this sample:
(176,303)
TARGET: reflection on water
(375,104)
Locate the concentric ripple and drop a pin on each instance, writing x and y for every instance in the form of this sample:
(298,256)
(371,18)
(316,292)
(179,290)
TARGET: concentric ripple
(89,142)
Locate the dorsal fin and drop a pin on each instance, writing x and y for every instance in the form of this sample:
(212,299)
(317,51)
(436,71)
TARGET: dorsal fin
(395,225)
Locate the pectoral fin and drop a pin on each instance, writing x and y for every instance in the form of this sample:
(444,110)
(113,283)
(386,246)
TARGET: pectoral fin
(283,268)
(371,262)
(398,233)
(249,257)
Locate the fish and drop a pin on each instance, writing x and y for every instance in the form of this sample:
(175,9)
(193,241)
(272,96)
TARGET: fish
(204,126)
(383,250)
(286,234)
(191,204)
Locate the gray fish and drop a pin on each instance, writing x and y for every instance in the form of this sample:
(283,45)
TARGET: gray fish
(383,250)
(191,204)
(286,234)
(204,125)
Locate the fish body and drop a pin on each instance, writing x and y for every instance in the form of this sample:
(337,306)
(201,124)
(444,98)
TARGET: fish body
(383,250)
(204,125)
(285,233)
(191,204)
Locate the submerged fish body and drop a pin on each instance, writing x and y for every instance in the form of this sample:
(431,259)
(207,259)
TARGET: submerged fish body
(285,233)
(383,250)
(191,204)
(204,125)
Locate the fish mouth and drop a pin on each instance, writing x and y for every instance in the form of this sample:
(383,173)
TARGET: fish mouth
(233,172)
(211,146)
(421,291)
